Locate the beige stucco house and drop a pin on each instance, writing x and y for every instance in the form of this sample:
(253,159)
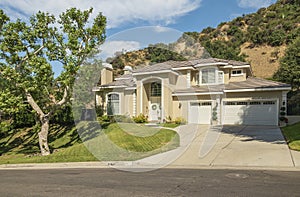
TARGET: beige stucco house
(200,91)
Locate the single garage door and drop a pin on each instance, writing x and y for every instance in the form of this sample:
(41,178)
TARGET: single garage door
(199,112)
(250,112)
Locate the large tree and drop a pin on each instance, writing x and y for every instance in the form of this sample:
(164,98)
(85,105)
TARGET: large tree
(28,52)
(289,70)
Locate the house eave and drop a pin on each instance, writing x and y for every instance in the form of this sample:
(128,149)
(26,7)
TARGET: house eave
(155,72)
(184,68)
(195,93)
(242,66)
(210,64)
(259,89)
(130,88)
(96,89)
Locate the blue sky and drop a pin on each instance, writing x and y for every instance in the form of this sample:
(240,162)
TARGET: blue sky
(182,15)
(168,18)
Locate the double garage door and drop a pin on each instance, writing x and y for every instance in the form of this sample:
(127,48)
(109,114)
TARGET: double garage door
(236,112)
(250,112)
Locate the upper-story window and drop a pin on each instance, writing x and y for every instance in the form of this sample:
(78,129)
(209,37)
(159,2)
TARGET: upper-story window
(155,89)
(238,72)
(208,76)
(211,76)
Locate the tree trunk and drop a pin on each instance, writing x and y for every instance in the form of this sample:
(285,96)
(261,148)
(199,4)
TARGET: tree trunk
(44,119)
(43,136)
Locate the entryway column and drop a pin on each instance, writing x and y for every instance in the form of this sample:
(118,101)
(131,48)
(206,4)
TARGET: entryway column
(218,105)
(139,97)
(162,101)
(134,103)
(188,79)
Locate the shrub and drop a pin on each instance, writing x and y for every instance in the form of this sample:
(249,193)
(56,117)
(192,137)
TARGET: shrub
(179,120)
(104,121)
(282,113)
(99,110)
(141,118)
(63,115)
(5,127)
(122,118)
(282,108)
(215,113)
(283,119)
(168,119)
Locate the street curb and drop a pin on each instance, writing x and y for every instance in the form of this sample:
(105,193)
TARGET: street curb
(124,165)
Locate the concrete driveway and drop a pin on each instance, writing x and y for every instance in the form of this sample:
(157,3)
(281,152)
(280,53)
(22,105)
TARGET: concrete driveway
(244,146)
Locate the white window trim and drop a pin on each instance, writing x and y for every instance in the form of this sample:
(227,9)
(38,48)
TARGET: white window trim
(223,81)
(120,105)
(216,76)
(236,75)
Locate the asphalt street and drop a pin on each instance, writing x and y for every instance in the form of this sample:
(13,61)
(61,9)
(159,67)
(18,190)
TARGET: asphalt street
(162,182)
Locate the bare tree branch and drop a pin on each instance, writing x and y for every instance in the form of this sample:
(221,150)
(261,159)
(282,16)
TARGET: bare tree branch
(27,56)
(64,98)
(33,104)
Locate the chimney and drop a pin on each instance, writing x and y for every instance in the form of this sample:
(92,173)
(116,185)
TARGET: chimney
(106,74)
(127,70)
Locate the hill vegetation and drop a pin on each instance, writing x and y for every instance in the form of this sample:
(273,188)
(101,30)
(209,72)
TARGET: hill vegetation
(259,38)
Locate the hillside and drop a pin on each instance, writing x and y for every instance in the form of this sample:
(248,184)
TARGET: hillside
(259,38)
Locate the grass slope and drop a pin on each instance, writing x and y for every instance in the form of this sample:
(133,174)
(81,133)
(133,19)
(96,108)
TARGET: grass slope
(292,135)
(116,142)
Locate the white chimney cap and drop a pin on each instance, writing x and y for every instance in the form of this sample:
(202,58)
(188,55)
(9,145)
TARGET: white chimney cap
(128,68)
(107,65)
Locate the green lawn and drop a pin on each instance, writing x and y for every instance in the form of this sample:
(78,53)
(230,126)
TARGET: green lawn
(116,142)
(292,135)
(169,125)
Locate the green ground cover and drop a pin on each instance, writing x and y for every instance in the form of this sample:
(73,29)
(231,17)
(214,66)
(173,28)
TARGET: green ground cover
(115,142)
(292,135)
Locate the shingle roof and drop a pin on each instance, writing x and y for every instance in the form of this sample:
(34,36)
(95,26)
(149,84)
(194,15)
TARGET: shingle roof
(127,80)
(123,81)
(202,89)
(154,67)
(168,65)
(250,83)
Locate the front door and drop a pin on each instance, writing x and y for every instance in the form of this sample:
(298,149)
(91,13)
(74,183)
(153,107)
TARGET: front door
(154,112)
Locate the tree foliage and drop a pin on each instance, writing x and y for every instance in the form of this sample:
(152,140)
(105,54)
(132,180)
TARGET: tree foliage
(276,25)
(27,52)
(289,70)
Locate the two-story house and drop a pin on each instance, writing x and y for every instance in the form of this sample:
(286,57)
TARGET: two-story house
(198,91)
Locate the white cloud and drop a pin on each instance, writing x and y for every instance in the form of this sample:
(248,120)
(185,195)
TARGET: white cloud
(160,29)
(117,11)
(109,48)
(255,3)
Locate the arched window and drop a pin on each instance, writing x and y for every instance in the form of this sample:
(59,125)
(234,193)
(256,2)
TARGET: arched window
(113,104)
(155,89)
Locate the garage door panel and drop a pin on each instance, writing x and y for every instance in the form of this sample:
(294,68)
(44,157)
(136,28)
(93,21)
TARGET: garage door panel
(200,113)
(251,113)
